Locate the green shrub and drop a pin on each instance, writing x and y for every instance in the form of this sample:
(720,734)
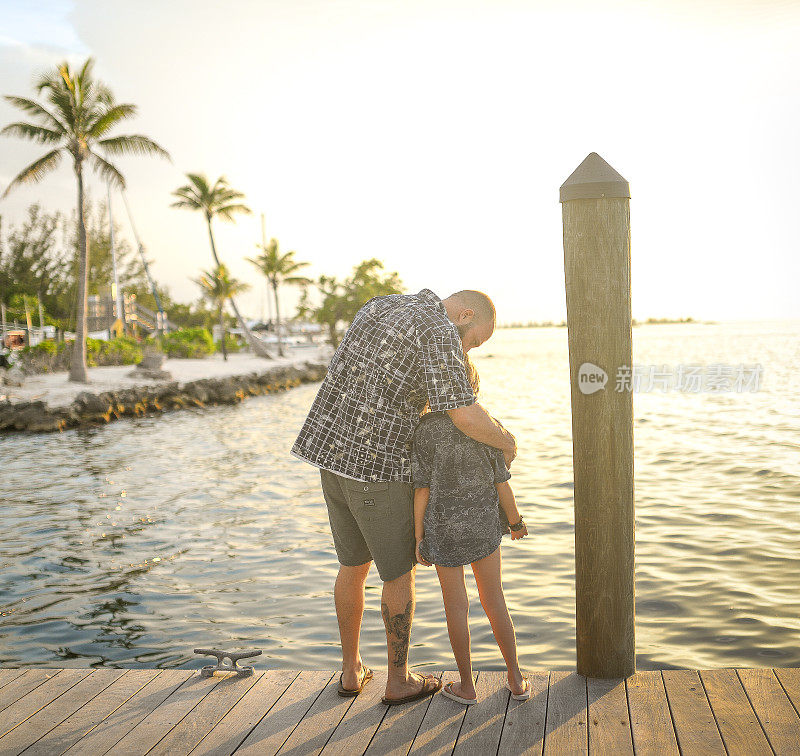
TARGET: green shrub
(51,356)
(121,351)
(188,342)
(46,357)
(232,344)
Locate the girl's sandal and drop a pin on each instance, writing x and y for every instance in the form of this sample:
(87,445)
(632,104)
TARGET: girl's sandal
(525,695)
(447,692)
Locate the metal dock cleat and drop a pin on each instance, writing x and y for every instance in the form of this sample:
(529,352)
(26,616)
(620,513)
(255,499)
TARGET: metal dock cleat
(233,656)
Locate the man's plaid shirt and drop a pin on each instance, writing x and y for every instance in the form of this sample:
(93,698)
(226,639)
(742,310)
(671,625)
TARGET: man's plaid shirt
(400,352)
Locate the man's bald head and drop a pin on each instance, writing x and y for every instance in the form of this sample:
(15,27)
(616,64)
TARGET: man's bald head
(473,314)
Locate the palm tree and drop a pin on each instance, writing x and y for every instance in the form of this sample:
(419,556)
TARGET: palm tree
(222,202)
(81,113)
(217,287)
(279,269)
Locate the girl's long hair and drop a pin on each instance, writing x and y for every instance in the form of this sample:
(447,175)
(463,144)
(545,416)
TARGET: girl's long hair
(472,374)
(472,377)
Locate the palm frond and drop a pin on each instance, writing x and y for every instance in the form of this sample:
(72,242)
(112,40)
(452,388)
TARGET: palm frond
(37,170)
(226,213)
(33,132)
(34,108)
(200,181)
(107,170)
(132,144)
(220,184)
(105,120)
(60,93)
(189,204)
(86,71)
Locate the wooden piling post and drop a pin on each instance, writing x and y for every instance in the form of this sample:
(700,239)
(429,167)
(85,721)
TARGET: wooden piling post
(596,216)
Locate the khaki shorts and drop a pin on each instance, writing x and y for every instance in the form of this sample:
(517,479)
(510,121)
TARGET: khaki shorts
(371,522)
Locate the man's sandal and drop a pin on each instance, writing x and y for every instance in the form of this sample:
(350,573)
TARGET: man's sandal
(430,685)
(447,692)
(366,676)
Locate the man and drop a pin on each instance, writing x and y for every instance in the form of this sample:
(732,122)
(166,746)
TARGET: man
(400,353)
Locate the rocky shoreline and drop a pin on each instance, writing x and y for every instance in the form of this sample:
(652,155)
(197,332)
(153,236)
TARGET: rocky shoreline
(98,408)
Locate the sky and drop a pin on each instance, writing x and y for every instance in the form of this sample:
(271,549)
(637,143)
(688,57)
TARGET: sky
(434,135)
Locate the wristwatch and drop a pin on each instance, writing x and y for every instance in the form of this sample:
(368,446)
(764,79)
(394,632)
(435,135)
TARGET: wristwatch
(517,525)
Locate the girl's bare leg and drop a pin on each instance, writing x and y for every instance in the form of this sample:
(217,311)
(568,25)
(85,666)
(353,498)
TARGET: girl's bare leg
(456,609)
(487,573)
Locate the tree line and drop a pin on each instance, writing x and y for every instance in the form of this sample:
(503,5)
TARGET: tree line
(59,261)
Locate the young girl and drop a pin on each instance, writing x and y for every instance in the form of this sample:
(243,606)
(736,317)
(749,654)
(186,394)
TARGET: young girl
(462,506)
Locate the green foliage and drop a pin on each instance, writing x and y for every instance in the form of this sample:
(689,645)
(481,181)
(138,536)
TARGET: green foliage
(232,344)
(192,315)
(34,261)
(120,351)
(217,286)
(188,343)
(341,300)
(51,356)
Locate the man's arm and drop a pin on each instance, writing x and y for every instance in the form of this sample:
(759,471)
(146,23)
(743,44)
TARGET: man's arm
(477,423)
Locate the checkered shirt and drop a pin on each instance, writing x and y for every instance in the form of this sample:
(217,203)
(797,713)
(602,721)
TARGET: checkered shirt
(400,352)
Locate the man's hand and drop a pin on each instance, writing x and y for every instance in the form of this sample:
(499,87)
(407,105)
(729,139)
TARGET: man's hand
(510,454)
(419,556)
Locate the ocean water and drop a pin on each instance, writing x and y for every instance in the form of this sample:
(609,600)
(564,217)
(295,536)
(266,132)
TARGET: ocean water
(131,544)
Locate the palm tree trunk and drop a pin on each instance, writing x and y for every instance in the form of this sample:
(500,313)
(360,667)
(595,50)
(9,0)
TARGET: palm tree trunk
(255,344)
(281,351)
(77,365)
(222,332)
(211,236)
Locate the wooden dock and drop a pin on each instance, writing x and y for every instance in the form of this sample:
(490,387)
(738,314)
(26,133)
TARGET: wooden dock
(150,711)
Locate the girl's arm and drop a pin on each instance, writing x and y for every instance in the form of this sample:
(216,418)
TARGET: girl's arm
(509,505)
(421,496)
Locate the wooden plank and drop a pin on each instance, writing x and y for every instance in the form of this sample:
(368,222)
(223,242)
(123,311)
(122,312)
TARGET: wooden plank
(362,720)
(53,714)
(773,708)
(162,719)
(122,720)
(523,728)
(272,731)
(692,717)
(790,681)
(737,722)
(199,721)
(483,723)
(237,723)
(23,685)
(39,697)
(441,724)
(72,729)
(316,727)
(398,729)
(8,674)
(651,720)
(566,728)
(609,723)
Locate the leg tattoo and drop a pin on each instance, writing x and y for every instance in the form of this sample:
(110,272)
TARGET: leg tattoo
(398,628)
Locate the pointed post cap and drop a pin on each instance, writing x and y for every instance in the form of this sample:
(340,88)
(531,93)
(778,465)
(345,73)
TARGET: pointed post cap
(592,179)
